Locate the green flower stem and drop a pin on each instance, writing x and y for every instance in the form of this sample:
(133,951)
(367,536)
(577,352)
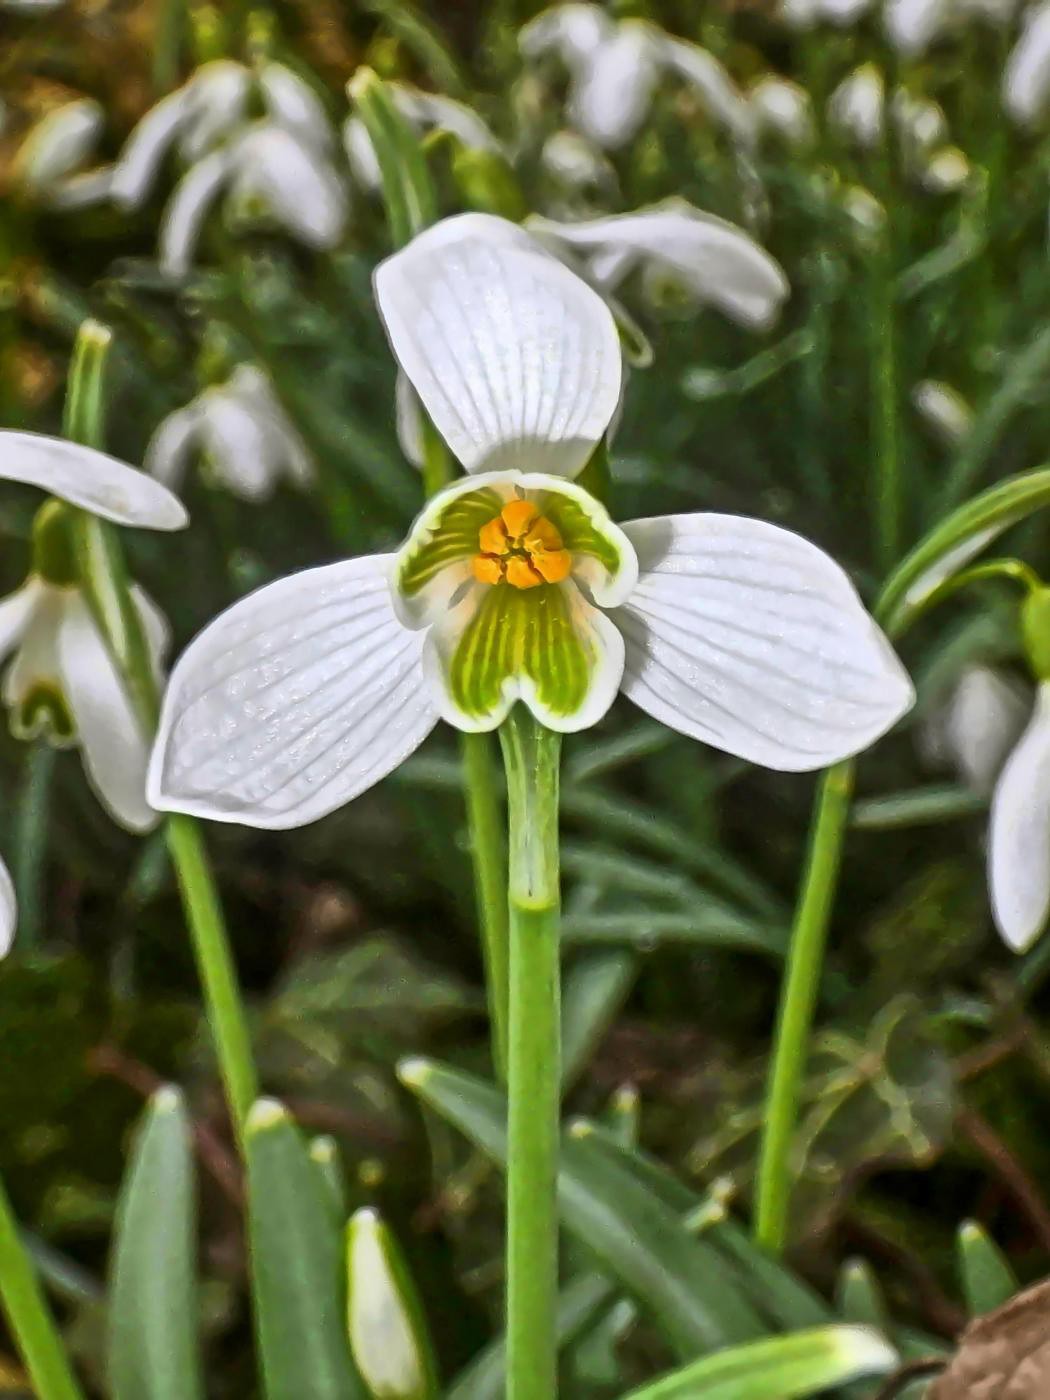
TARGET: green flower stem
(797,1002)
(32,1325)
(531,756)
(215,965)
(104,579)
(31,829)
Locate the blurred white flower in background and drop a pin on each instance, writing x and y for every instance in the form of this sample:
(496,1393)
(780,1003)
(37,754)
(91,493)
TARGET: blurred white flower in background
(856,109)
(804,14)
(8,910)
(424,112)
(783,108)
(702,258)
(60,681)
(1026,81)
(975,728)
(947,171)
(920,125)
(615,68)
(944,410)
(244,433)
(576,163)
(280,165)
(48,165)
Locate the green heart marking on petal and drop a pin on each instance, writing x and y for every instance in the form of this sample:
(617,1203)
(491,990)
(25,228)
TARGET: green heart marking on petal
(451,536)
(579,533)
(522,633)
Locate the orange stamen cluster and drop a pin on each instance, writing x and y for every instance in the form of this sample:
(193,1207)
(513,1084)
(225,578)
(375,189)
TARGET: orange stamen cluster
(521,547)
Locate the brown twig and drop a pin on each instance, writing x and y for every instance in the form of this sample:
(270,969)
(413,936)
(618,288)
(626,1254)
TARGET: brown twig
(983,1138)
(991,1053)
(216,1158)
(913,1371)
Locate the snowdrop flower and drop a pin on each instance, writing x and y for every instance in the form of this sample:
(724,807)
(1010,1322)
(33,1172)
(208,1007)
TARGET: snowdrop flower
(708,259)
(60,680)
(514,584)
(263,166)
(944,410)
(210,108)
(241,427)
(855,108)
(976,728)
(424,112)
(382,1314)
(912,24)
(47,165)
(1026,81)
(615,67)
(783,108)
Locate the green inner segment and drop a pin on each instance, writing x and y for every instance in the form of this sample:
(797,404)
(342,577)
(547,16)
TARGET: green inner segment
(519,632)
(453,537)
(44,714)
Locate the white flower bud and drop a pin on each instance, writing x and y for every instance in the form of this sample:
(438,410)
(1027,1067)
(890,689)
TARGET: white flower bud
(382,1319)
(856,107)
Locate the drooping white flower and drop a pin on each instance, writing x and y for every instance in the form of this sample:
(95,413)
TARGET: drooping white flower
(783,108)
(615,68)
(911,25)
(804,14)
(977,726)
(1019,834)
(382,1321)
(242,429)
(703,257)
(514,584)
(60,679)
(575,162)
(944,410)
(920,125)
(856,107)
(264,168)
(48,164)
(1026,81)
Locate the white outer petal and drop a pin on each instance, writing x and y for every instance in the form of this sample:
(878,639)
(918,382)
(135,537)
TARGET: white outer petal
(245,454)
(1019,834)
(750,638)
(113,744)
(90,479)
(982,722)
(216,102)
(171,446)
(361,154)
(911,25)
(298,184)
(517,361)
(612,90)
(711,80)
(254,387)
(716,261)
(145,149)
(408,416)
(944,409)
(292,103)
(293,701)
(58,144)
(856,109)
(16,610)
(427,110)
(844,12)
(572,31)
(186,210)
(8,911)
(784,107)
(1026,81)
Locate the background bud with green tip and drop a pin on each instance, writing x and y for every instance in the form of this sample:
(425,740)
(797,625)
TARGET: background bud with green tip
(387,1332)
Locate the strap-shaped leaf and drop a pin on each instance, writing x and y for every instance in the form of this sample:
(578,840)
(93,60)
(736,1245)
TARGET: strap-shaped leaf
(778,1368)
(296,1266)
(154,1351)
(987,1279)
(633,1234)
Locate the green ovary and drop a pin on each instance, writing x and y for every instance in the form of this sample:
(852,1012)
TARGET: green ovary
(529,634)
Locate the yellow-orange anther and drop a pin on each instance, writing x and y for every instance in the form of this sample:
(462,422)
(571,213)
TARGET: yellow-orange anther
(521,547)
